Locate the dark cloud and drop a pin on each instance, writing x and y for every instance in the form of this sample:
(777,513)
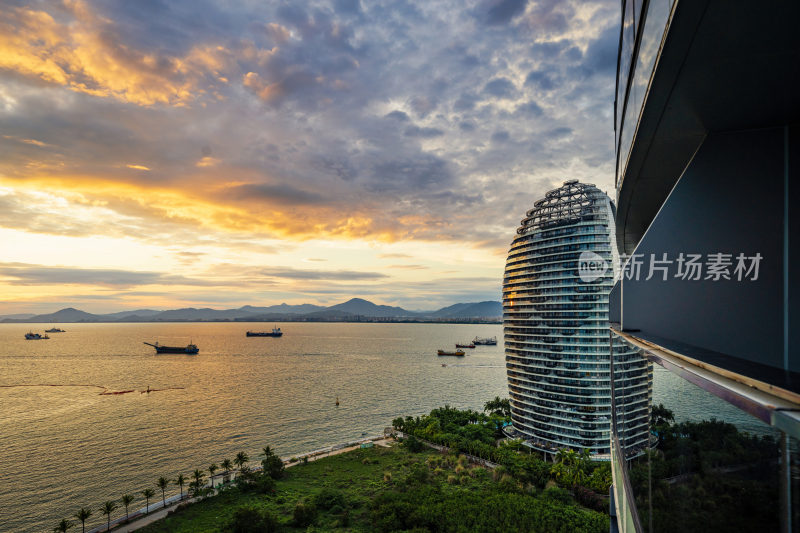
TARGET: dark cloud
(465,102)
(601,54)
(398,115)
(424,133)
(278,193)
(500,136)
(499,12)
(347,6)
(549,17)
(559,133)
(28,274)
(542,80)
(530,108)
(500,88)
(341,166)
(415,174)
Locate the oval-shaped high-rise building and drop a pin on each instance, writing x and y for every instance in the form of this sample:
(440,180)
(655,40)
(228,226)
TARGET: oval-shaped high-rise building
(560,269)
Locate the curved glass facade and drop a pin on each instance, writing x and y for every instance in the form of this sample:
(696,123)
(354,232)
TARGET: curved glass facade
(640,44)
(557,340)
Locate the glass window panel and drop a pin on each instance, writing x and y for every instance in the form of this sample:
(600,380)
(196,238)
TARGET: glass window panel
(710,467)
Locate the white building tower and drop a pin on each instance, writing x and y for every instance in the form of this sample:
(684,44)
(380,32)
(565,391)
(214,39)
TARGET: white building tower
(559,272)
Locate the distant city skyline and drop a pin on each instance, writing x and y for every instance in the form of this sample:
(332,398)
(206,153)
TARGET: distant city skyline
(190,155)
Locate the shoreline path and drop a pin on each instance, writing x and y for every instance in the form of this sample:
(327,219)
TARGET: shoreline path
(139,520)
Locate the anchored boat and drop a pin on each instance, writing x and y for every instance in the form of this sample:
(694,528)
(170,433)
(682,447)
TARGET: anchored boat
(276,332)
(31,336)
(54,330)
(485,341)
(459,353)
(470,345)
(160,348)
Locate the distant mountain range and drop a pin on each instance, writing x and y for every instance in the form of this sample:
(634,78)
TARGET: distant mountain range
(355,309)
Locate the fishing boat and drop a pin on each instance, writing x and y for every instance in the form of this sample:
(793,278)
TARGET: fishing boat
(457,352)
(188,349)
(470,345)
(31,336)
(54,330)
(486,341)
(276,332)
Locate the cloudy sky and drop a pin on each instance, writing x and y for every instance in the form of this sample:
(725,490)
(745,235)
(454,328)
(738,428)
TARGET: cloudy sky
(192,153)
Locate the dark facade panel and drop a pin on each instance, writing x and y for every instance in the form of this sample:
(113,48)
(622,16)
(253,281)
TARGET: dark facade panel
(730,200)
(792,279)
(724,65)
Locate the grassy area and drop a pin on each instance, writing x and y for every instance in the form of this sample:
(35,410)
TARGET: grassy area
(386,489)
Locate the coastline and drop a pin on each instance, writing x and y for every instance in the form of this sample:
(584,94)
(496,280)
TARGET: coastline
(157,510)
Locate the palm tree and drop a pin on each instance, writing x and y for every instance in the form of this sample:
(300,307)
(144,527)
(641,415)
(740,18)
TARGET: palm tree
(240,460)
(211,469)
(162,484)
(147,493)
(196,486)
(126,501)
(180,481)
(108,508)
(498,406)
(227,465)
(83,515)
(63,526)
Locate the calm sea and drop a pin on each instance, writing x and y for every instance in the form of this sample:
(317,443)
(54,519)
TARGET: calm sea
(63,445)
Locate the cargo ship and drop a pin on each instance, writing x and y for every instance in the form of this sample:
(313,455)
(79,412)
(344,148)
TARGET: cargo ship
(160,348)
(276,332)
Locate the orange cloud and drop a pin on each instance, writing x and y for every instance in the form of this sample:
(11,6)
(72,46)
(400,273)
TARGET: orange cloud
(266,91)
(201,204)
(83,55)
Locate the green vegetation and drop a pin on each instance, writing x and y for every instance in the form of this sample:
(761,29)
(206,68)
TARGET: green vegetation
(147,493)
(126,500)
(108,507)
(63,526)
(352,492)
(83,515)
(707,476)
(180,481)
(475,433)
(163,483)
(410,487)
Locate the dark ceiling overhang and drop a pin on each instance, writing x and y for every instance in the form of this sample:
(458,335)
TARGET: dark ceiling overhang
(725,65)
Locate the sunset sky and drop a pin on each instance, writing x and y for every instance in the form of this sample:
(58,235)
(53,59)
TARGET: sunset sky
(160,154)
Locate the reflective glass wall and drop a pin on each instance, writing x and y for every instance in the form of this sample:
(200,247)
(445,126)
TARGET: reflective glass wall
(711,467)
(636,65)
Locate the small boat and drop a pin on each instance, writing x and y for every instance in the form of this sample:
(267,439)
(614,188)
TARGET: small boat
(485,341)
(54,330)
(470,345)
(457,352)
(31,336)
(160,348)
(276,332)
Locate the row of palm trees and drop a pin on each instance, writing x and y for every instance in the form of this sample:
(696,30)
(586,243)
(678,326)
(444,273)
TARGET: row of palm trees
(196,486)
